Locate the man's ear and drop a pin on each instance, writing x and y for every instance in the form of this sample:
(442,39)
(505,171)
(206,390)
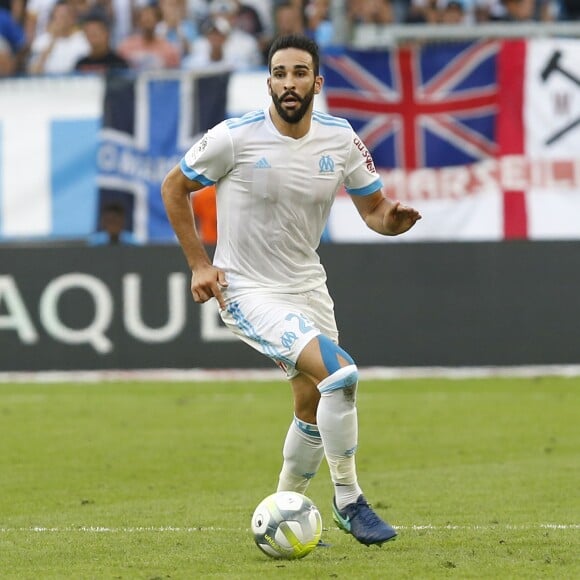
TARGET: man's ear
(318,82)
(269,86)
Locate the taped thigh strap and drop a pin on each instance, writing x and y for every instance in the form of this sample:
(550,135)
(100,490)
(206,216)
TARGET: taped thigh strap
(330,352)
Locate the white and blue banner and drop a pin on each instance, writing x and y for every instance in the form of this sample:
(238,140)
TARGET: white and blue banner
(149,122)
(48,148)
(68,145)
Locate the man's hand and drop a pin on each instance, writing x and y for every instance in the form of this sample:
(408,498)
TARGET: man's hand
(399,218)
(207,282)
(384,216)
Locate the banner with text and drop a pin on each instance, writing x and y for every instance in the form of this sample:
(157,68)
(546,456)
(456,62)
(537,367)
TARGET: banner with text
(483,138)
(130,307)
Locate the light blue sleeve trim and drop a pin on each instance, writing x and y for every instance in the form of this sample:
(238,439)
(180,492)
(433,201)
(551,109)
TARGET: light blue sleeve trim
(191,174)
(374,186)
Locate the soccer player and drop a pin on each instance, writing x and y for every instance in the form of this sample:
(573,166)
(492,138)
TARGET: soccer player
(277,172)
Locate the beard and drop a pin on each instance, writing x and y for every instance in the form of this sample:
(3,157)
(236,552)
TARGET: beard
(296,115)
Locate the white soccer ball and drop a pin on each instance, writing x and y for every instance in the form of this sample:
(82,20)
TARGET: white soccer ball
(286,525)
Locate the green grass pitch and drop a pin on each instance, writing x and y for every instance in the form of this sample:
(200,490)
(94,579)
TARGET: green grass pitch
(159,480)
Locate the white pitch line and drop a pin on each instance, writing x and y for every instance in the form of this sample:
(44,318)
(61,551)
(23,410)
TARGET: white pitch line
(201,529)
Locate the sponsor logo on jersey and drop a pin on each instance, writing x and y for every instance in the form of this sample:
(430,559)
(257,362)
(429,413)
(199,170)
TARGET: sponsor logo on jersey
(366,154)
(200,147)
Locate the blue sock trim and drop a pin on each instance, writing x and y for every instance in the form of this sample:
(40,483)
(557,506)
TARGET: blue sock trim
(307,428)
(330,352)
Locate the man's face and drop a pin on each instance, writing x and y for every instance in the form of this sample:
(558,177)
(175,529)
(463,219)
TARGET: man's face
(292,84)
(112,222)
(97,34)
(147,19)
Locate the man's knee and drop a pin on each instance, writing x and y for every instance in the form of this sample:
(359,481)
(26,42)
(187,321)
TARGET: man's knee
(345,379)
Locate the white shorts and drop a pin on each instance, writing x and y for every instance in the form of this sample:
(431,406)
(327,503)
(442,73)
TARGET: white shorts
(281,325)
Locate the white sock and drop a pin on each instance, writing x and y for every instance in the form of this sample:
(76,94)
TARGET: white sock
(338,425)
(303,454)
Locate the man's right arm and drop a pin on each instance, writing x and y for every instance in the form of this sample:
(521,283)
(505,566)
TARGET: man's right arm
(206,279)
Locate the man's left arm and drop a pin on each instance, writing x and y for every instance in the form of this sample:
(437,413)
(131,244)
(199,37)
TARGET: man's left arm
(387,217)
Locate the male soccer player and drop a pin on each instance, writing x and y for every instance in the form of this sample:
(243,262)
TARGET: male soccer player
(277,172)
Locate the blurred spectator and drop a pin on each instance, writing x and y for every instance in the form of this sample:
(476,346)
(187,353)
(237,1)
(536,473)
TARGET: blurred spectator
(452,12)
(38,15)
(370,12)
(80,8)
(36,18)
(481,11)
(319,26)
(245,42)
(112,230)
(288,19)
(248,19)
(119,13)
(223,43)
(215,46)
(12,44)
(57,50)
(516,10)
(145,50)
(263,8)
(423,11)
(16,9)
(175,27)
(101,57)
(209,48)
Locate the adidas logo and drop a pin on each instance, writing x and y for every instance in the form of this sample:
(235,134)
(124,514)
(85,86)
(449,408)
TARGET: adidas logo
(262,164)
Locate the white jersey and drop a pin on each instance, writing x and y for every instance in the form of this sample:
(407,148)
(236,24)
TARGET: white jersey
(274,194)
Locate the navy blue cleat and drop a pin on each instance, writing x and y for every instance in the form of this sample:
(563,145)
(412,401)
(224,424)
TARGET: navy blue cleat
(363,523)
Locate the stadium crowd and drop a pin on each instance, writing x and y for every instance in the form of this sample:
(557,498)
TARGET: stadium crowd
(67,36)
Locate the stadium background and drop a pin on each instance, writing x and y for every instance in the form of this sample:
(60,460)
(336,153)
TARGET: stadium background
(488,297)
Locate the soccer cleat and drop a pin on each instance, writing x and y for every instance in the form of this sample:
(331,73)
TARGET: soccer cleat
(363,523)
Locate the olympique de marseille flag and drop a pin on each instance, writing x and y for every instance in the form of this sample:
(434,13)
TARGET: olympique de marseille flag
(482,137)
(148,124)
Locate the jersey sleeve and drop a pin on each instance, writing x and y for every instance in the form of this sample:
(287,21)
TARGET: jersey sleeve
(210,158)
(361,177)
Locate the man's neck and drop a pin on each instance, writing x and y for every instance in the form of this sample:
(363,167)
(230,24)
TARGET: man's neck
(293,130)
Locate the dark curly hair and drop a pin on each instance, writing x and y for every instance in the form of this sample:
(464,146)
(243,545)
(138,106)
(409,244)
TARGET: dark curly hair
(298,41)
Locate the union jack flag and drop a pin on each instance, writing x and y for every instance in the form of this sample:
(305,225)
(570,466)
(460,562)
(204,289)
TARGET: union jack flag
(432,106)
